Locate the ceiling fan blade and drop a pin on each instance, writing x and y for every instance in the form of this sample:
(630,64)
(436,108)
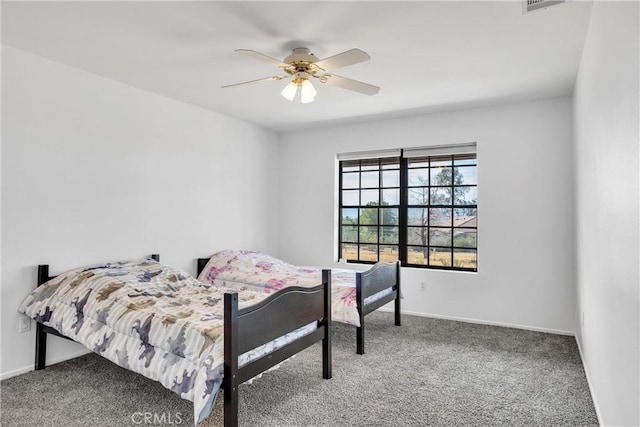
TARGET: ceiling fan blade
(258,80)
(350,84)
(262,57)
(343,59)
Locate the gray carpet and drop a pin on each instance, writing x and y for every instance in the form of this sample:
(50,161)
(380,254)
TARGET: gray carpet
(427,372)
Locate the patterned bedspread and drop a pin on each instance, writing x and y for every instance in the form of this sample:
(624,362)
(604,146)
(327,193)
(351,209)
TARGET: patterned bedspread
(256,271)
(149,318)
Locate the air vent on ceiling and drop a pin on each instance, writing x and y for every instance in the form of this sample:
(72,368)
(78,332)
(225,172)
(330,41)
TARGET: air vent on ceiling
(531,5)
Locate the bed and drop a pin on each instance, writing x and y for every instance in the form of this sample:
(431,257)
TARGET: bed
(353,294)
(193,338)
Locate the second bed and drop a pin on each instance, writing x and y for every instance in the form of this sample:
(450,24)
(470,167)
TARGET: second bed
(353,294)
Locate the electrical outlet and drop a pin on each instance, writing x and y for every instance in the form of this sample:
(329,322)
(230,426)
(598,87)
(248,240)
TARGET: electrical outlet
(24,324)
(422,286)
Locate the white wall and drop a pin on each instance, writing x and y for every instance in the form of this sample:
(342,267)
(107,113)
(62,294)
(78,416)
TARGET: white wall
(525,209)
(94,170)
(607,139)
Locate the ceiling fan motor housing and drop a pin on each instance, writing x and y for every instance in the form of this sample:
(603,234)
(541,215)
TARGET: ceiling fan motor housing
(301,54)
(301,60)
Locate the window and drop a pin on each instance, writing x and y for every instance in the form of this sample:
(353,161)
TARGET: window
(370,206)
(418,206)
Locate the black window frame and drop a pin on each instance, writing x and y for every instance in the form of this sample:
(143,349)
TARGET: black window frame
(430,229)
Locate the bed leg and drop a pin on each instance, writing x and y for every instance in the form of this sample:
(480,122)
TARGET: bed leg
(41,347)
(360,306)
(398,296)
(41,335)
(231,406)
(326,341)
(360,338)
(327,371)
(230,381)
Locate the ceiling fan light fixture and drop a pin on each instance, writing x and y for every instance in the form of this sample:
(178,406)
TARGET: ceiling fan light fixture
(307,92)
(290,91)
(300,85)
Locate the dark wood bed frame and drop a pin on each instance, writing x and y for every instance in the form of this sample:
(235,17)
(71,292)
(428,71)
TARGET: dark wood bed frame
(248,328)
(381,276)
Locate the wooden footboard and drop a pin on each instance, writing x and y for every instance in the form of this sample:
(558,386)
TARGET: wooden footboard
(381,276)
(259,324)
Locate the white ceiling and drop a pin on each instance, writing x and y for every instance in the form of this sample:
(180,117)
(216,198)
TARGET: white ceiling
(425,56)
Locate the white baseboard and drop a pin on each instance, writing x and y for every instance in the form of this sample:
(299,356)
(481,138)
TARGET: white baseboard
(485,322)
(586,373)
(53,361)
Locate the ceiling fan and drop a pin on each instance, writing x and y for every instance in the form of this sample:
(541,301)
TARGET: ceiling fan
(302,64)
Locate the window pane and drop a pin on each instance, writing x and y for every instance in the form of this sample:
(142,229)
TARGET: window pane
(369,197)
(391,178)
(418,162)
(440,195)
(370,179)
(417,216)
(437,161)
(350,233)
(351,180)
(418,177)
(441,176)
(369,164)
(369,216)
(465,217)
(440,257)
(349,251)
(349,216)
(440,216)
(389,235)
(466,175)
(389,216)
(439,237)
(417,235)
(350,198)
(418,196)
(389,253)
(417,255)
(465,238)
(466,195)
(390,163)
(465,159)
(369,234)
(391,196)
(368,253)
(465,258)
(350,165)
